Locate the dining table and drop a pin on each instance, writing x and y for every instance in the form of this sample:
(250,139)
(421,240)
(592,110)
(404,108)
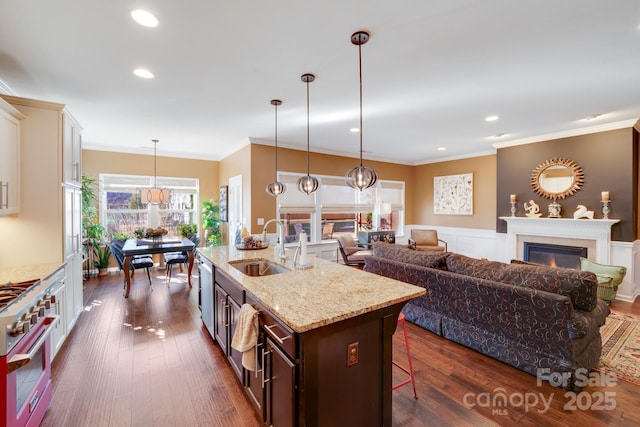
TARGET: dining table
(135,247)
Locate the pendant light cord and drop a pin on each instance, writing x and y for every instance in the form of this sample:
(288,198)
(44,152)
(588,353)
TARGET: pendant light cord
(308,169)
(155,164)
(276,133)
(360,65)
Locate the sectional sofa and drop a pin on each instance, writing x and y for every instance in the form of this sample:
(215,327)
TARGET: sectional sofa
(543,320)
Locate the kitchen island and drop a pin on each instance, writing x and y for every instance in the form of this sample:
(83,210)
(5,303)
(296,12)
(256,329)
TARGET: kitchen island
(325,341)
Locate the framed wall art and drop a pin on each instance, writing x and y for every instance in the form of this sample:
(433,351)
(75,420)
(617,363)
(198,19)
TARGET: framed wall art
(453,194)
(224,196)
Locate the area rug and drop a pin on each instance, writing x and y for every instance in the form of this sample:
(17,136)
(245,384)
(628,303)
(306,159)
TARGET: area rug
(621,346)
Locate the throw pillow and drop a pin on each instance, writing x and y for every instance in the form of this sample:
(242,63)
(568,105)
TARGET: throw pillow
(617,273)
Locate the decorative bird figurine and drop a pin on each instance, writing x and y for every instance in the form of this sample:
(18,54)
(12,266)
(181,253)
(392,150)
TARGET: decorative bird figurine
(582,212)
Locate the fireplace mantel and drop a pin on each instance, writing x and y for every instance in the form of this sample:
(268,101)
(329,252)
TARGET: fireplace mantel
(598,230)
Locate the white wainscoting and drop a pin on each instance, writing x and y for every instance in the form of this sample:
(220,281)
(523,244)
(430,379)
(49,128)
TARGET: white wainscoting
(478,243)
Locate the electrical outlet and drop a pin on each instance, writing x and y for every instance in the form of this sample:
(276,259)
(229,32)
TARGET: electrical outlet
(260,221)
(353,354)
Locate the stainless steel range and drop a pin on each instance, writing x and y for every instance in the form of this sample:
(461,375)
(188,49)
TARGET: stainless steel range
(27,319)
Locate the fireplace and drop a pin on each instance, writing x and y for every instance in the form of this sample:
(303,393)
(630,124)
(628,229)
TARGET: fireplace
(593,234)
(554,255)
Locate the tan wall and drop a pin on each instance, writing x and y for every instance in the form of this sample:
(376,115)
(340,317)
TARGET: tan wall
(238,163)
(484,193)
(95,162)
(263,172)
(256,164)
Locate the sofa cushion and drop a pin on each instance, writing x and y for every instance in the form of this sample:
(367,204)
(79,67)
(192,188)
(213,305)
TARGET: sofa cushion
(480,268)
(401,253)
(580,286)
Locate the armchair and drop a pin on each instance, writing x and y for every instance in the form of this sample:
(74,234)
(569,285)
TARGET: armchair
(426,239)
(352,253)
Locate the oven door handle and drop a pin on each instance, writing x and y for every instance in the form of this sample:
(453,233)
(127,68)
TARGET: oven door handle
(19,360)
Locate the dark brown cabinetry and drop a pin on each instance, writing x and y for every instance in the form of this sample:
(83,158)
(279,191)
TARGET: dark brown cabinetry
(306,378)
(280,386)
(272,386)
(228,297)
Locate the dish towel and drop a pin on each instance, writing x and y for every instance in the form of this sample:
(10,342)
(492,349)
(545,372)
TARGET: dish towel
(245,338)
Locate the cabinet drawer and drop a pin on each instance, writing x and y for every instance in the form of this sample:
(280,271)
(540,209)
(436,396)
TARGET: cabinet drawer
(280,333)
(232,288)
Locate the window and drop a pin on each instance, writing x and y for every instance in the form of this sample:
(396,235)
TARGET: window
(337,209)
(121,209)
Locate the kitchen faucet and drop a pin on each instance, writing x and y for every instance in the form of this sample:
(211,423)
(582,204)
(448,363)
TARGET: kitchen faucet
(280,242)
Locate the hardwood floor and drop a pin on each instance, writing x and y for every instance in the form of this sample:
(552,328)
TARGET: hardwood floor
(148,361)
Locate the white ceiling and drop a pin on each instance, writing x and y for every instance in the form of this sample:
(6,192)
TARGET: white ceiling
(432,72)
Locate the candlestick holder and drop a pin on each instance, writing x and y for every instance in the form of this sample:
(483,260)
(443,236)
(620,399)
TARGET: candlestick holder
(605,209)
(513,208)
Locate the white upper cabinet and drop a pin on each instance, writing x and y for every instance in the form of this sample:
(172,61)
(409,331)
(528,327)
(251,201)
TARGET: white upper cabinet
(9,159)
(72,150)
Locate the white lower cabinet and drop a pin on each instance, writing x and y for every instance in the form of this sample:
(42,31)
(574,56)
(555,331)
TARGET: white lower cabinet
(59,332)
(73,292)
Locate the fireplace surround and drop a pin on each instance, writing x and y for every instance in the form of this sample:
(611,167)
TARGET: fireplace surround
(595,235)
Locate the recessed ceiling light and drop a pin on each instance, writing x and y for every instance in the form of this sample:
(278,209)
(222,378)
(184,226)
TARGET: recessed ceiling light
(145,74)
(144,18)
(500,135)
(442,148)
(354,130)
(491,118)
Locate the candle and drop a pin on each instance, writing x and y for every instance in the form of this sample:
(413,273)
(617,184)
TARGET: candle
(605,196)
(303,248)
(513,197)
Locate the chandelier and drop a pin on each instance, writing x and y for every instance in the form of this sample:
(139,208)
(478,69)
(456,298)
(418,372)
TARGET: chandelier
(360,177)
(308,184)
(276,188)
(155,195)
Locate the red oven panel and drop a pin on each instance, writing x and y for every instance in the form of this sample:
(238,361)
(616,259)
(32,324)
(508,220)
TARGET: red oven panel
(26,381)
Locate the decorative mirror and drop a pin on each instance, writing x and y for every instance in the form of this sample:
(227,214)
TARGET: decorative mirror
(557,178)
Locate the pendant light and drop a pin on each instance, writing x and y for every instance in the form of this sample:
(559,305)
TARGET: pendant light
(360,177)
(155,195)
(276,188)
(308,184)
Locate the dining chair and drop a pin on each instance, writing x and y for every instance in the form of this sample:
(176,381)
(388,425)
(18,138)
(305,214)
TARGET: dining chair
(137,262)
(173,258)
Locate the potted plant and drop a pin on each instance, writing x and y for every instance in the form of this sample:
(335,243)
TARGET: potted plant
(211,223)
(90,224)
(102,256)
(187,230)
(95,232)
(119,236)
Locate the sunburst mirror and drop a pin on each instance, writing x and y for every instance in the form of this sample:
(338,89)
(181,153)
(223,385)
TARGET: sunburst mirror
(557,178)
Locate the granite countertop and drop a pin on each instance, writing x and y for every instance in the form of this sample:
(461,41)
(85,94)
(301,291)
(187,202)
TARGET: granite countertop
(306,299)
(23,273)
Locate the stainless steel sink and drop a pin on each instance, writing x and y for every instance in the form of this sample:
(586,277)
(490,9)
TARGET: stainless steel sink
(258,267)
